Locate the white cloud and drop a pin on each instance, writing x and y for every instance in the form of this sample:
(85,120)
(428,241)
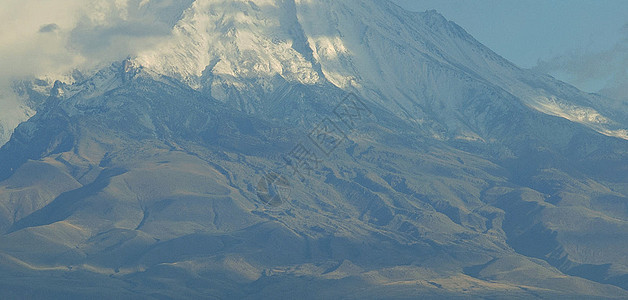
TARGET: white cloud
(50,38)
(54,36)
(24,50)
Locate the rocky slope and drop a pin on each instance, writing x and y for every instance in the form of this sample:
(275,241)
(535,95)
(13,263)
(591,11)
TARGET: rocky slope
(316,149)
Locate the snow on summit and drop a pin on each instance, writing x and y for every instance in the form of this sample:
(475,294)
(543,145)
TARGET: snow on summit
(240,39)
(417,65)
(373,48)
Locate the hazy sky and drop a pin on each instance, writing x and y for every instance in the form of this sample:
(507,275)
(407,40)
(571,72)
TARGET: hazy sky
(580,41)
(525,30)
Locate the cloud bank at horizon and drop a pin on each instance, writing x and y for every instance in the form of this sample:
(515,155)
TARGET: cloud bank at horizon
(605,72)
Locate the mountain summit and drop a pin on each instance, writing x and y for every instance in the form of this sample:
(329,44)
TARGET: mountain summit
(373,48)
(315,149)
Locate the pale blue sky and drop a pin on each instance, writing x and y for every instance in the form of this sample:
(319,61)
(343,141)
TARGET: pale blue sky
(525,30)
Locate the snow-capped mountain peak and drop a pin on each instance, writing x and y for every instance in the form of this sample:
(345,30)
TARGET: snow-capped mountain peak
(419,66)
(374,48)
(446,172)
